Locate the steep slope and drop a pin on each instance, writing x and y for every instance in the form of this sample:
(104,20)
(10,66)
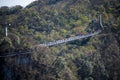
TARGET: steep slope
(93,58)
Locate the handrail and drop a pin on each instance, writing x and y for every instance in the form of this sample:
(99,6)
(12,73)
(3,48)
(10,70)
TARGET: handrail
(69,39)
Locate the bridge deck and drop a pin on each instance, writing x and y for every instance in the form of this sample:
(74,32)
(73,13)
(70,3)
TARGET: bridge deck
(69,39)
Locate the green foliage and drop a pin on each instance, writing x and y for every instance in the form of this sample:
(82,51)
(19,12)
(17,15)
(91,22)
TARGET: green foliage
(5,45)
(94,58)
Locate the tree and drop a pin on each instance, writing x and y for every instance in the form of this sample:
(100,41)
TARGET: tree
(5,45)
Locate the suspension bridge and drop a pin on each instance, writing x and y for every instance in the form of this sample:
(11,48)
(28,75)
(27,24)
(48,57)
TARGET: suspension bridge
(48,44)
(73,38)
(69,39)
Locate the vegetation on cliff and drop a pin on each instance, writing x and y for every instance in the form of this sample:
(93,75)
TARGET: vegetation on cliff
(93,58)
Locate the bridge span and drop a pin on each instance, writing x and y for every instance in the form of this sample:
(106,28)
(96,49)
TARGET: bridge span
(69,39)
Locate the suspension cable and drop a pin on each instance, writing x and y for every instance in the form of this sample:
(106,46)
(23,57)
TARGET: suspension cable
(16,54)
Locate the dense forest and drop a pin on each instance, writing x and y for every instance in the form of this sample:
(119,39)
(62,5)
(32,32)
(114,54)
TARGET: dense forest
(93,58)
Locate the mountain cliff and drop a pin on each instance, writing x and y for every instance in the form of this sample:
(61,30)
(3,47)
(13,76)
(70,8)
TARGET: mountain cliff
(93,58)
